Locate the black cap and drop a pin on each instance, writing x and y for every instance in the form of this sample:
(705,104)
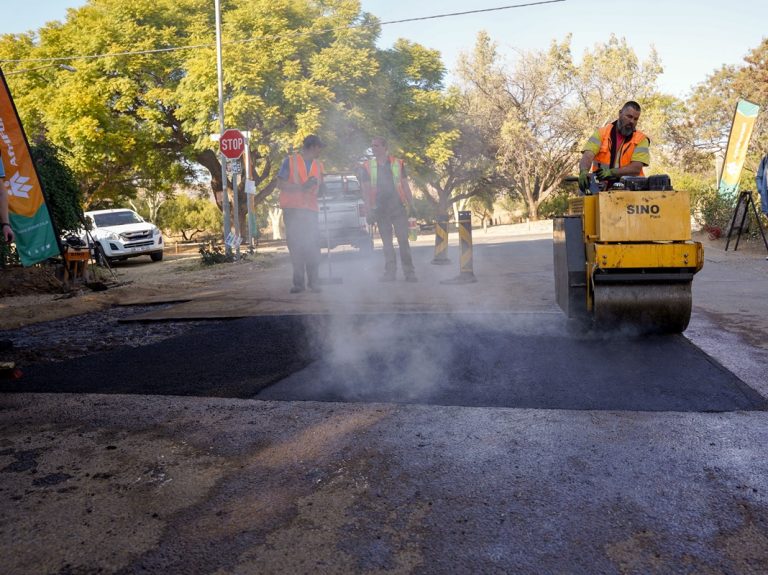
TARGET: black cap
(311,141)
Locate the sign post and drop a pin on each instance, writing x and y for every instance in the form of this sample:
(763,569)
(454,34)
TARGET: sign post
(232,146)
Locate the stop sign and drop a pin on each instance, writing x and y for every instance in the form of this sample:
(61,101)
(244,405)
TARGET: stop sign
(232,144)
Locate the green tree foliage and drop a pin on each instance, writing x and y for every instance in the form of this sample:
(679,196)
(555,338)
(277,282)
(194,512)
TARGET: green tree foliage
(426,125)
(189,217)
(130,121)
(63,196)
(705,128)
(752,83)
(710,111)
(114,115)
(538,113)
(405,103)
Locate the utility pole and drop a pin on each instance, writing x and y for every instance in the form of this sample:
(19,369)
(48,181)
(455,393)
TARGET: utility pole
(222,159)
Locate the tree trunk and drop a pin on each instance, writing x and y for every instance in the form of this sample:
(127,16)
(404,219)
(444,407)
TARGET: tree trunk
(210,162)
(274,221)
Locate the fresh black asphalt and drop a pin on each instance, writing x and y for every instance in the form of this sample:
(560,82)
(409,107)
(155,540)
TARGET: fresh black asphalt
(513,360)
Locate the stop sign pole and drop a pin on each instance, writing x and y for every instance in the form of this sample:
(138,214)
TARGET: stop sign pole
(223,160)
(232,146)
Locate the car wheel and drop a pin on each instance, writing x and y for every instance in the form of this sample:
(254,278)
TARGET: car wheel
(156,256)
(101,259)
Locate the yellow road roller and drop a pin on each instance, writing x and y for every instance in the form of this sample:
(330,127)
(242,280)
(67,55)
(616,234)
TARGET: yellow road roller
(624,257)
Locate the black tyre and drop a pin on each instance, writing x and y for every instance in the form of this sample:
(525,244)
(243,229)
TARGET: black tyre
(101,259)
(156,256)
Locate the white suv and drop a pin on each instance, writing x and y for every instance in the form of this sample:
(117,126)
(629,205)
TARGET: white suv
(121,234)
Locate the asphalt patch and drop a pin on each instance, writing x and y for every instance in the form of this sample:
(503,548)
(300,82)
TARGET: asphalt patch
(488,360)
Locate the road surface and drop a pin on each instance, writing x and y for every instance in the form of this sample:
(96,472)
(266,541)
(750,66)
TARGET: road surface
(486,439)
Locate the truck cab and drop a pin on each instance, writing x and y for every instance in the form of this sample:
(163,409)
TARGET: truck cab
(342,215)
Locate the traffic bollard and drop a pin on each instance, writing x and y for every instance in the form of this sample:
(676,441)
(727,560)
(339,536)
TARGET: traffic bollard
(441,241)
(466,273)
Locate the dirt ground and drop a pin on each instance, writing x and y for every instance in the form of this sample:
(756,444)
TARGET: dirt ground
(42,319)
(38,294)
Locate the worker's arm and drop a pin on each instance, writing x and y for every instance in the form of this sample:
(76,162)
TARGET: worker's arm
(631,169)
(5,221)
(407,188)
(365,185)
(285,185)
(585,164)
(408,193)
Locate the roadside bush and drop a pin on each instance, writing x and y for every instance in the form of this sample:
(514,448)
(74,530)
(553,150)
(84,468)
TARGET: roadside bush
(189,217)
(555,205)
(9,256)
(63,195)
(712,211)
(211,254)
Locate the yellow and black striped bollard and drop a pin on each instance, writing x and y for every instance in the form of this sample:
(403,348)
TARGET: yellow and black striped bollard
(441,241)
(466,274)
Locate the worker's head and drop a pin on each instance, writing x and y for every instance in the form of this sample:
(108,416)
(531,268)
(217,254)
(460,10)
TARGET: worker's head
(628,117)
(379,147)
(312,145)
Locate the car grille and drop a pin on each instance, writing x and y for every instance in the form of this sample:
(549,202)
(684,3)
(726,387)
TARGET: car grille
(133,236)
(138,244)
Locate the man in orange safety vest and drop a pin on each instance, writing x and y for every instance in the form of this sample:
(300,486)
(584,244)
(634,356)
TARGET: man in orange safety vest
(615,150)
(299,180)
(388,199)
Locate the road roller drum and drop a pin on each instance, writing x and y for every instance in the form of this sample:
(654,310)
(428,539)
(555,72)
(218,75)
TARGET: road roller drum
(624,259)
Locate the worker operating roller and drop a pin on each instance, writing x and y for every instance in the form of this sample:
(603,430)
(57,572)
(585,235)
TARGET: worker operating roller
(624,257)
(615,150)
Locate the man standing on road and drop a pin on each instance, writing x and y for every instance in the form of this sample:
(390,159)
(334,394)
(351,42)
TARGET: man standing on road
(615,150)
(5,220)
(299,180)
(388,198)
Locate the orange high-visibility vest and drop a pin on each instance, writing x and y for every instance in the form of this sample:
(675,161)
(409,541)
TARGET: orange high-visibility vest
(627,149)
(297,174)
(397,177)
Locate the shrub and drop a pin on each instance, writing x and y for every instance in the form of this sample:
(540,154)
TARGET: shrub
(712,211)
(555,205)
(9,256)
(63,195)
(211,254)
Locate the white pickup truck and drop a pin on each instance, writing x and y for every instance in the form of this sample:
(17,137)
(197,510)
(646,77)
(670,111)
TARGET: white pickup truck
(343,213)
(121,234)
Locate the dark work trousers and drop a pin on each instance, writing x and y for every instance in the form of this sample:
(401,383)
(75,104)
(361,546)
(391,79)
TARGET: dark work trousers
(303,239)
(394,217)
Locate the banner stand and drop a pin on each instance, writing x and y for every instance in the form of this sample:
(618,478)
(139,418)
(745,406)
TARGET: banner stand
(743,204)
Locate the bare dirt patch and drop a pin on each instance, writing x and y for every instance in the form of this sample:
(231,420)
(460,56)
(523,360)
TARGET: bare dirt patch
(47,320)
(36,294)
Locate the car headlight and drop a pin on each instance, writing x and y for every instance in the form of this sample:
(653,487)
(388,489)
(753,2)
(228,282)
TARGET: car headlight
(112,236)
(155,231)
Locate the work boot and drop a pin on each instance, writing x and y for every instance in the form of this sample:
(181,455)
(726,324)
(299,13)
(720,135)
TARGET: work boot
(411,278)
(315,289)
(297,289)
(387,277)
